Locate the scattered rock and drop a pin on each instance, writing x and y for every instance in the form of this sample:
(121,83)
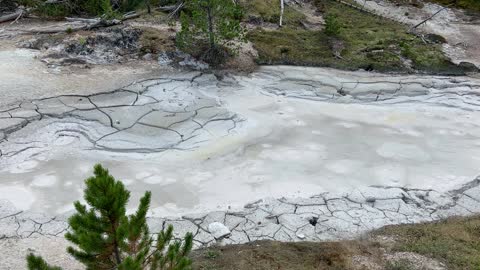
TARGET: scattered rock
(189,61)
(417,260)
(301,236)
(164,59)
(106,46)
(342,92)
(313,221)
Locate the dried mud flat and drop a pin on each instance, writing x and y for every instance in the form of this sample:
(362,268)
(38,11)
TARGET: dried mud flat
(333,154)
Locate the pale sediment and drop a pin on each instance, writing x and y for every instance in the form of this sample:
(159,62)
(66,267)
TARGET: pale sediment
(338,153)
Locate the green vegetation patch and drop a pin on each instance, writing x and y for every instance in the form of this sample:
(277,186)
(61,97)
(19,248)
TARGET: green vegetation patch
(470,5)
(454,241)
(293,47)
(107,8)
(362,42)
(269,11)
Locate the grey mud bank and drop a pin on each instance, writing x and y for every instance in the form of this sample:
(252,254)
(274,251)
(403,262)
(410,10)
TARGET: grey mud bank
(330,154)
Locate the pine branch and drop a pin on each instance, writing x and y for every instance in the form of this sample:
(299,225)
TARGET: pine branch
(38,263)
(106,238)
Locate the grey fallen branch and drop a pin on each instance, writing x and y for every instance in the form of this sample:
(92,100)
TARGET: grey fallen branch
(427,19)
(176,10)
(87,24)
(12,16)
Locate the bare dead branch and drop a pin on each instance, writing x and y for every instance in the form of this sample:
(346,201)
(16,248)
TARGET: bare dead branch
(427,19)
(11,17)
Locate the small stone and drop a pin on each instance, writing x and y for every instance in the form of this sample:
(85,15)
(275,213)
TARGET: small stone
(313,221)
(301,236)
(148,57)
(370,199)
(218,230)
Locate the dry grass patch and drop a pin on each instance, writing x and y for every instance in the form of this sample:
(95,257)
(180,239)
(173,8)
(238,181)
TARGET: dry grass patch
(455,241)
(267,255)
(154,40)
(449,244)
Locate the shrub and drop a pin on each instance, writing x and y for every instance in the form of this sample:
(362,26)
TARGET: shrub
(106,238)
(7,5)
(106,8)
(332,26)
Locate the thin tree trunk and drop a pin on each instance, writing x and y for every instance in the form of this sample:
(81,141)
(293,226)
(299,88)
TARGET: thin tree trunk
(117,254)
(210,27)
(148,6)
(116,249)
(282,7)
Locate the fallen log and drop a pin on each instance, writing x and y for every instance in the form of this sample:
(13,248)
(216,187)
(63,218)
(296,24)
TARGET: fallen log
(19,16)
(167,8)
(176,10)
(126,16)
(11,17)
(89,24)
(70,19)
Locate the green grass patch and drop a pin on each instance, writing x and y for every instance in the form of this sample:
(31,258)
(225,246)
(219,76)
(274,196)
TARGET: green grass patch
(470,5)
(269,11)
(454,241)
(291,46)
(365,41)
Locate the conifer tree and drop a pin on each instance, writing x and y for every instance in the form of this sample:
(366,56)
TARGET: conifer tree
(106,238)
(214,23)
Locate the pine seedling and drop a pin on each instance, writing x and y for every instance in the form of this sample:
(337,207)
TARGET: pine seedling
(106,238)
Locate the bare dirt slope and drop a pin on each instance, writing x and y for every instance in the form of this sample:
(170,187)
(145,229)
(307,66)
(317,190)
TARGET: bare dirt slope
(24,75)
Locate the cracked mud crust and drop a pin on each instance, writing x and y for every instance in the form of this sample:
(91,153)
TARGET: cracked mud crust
(147,117)
(224,143)
(322,217)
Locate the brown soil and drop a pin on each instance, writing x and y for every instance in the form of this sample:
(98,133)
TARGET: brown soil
(278,255)
(446,244)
